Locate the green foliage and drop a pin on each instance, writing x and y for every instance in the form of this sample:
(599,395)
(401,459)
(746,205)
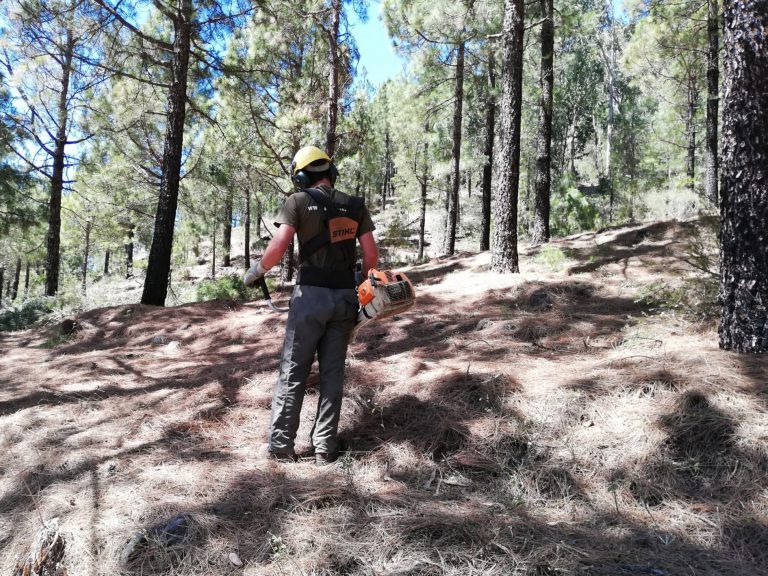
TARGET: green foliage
(552,257)
(37,310)
(573,212)
(399,230)
(229,287)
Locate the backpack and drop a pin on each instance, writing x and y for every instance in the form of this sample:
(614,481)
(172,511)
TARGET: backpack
(340,225)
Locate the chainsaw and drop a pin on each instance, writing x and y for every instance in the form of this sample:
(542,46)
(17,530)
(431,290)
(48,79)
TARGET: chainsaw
(383,294)
(262,283)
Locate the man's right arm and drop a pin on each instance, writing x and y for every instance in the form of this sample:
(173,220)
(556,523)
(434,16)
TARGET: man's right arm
(370,251)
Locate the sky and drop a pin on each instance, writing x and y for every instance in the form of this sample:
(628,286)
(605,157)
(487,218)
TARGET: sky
(377,56)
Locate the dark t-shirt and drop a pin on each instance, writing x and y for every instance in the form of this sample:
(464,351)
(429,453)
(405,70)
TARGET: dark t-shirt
(301,212)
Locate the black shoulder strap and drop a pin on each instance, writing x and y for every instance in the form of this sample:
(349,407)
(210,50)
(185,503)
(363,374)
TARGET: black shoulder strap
(322,200)
(331,210)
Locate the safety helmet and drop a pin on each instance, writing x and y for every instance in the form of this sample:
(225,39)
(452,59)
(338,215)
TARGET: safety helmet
(311,159)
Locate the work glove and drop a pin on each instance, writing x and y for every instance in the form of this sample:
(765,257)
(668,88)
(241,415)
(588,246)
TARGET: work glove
(254,274)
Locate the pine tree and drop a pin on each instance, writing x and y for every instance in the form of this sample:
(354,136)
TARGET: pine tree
(713,97)
(543,182)
(744,182)
(54,43)
(506,165)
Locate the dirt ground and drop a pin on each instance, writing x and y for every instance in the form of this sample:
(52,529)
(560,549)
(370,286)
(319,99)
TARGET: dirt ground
(577,418)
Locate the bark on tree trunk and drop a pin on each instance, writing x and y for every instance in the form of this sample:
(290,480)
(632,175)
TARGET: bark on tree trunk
(506,165)
(693,100)
(423,204)
(713,97)
(458,94)
(387,171)
(53,241)
(259,215)
(16,277)
(26,282)
(159,261)
(247,239)
(2,277)
(540,233)
(129,252)
(333,78)
(213,241)
(490,126)
(86,254)
(227,239)
(611,69)
(744,179)
(106,262)
(288,263)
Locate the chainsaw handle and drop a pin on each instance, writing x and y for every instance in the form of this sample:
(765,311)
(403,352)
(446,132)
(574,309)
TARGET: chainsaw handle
(262,283)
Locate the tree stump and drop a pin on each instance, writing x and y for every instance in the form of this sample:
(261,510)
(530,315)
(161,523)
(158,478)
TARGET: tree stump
(44,559)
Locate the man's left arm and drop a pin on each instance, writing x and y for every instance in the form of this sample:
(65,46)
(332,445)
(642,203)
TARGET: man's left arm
(272,255)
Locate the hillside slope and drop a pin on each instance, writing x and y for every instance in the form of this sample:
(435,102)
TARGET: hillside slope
(577,418)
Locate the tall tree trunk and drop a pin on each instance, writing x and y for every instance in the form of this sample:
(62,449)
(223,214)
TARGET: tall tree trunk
(540,232)
(26,282)
(86,254)
(358,180)
(469,184)
(713,97)
(693,98)
(458,95)
(259,216)
(446,207)
(16,277)
(226,243)
(611,68)
(423,204)
(247,247)
(288,262)
(213,240)
(159,261)
(506,162)
(333,78)
(490,126)
(53,241)
(106,262)
(387,171)
(744,179)
(2,277)
(129,251)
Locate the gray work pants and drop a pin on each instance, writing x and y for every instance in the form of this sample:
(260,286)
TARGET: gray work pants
(320,320)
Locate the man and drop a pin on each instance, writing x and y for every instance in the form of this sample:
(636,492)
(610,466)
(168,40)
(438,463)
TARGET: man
(323,306)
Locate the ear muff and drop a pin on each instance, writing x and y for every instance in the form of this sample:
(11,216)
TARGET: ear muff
(301,179)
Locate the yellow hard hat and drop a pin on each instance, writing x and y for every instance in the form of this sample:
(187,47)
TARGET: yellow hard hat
(305,156)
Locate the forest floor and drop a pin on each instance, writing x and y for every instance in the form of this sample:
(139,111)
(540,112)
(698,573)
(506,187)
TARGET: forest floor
(577,418)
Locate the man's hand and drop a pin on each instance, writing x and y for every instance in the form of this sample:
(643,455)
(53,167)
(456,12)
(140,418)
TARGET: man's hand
(254,274)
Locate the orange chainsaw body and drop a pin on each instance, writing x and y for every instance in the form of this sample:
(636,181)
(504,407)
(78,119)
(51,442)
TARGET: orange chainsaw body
(384,293)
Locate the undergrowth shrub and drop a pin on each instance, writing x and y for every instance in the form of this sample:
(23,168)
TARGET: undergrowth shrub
(229,287)
(696,296)
(42,309)
(552,257)
(572,211)
(398,233)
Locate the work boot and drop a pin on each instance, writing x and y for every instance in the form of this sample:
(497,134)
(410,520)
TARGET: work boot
(324,459)
(284,456)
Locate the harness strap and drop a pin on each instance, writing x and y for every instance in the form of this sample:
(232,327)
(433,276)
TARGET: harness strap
(331,210)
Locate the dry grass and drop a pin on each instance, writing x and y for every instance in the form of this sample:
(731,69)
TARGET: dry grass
(555,422)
